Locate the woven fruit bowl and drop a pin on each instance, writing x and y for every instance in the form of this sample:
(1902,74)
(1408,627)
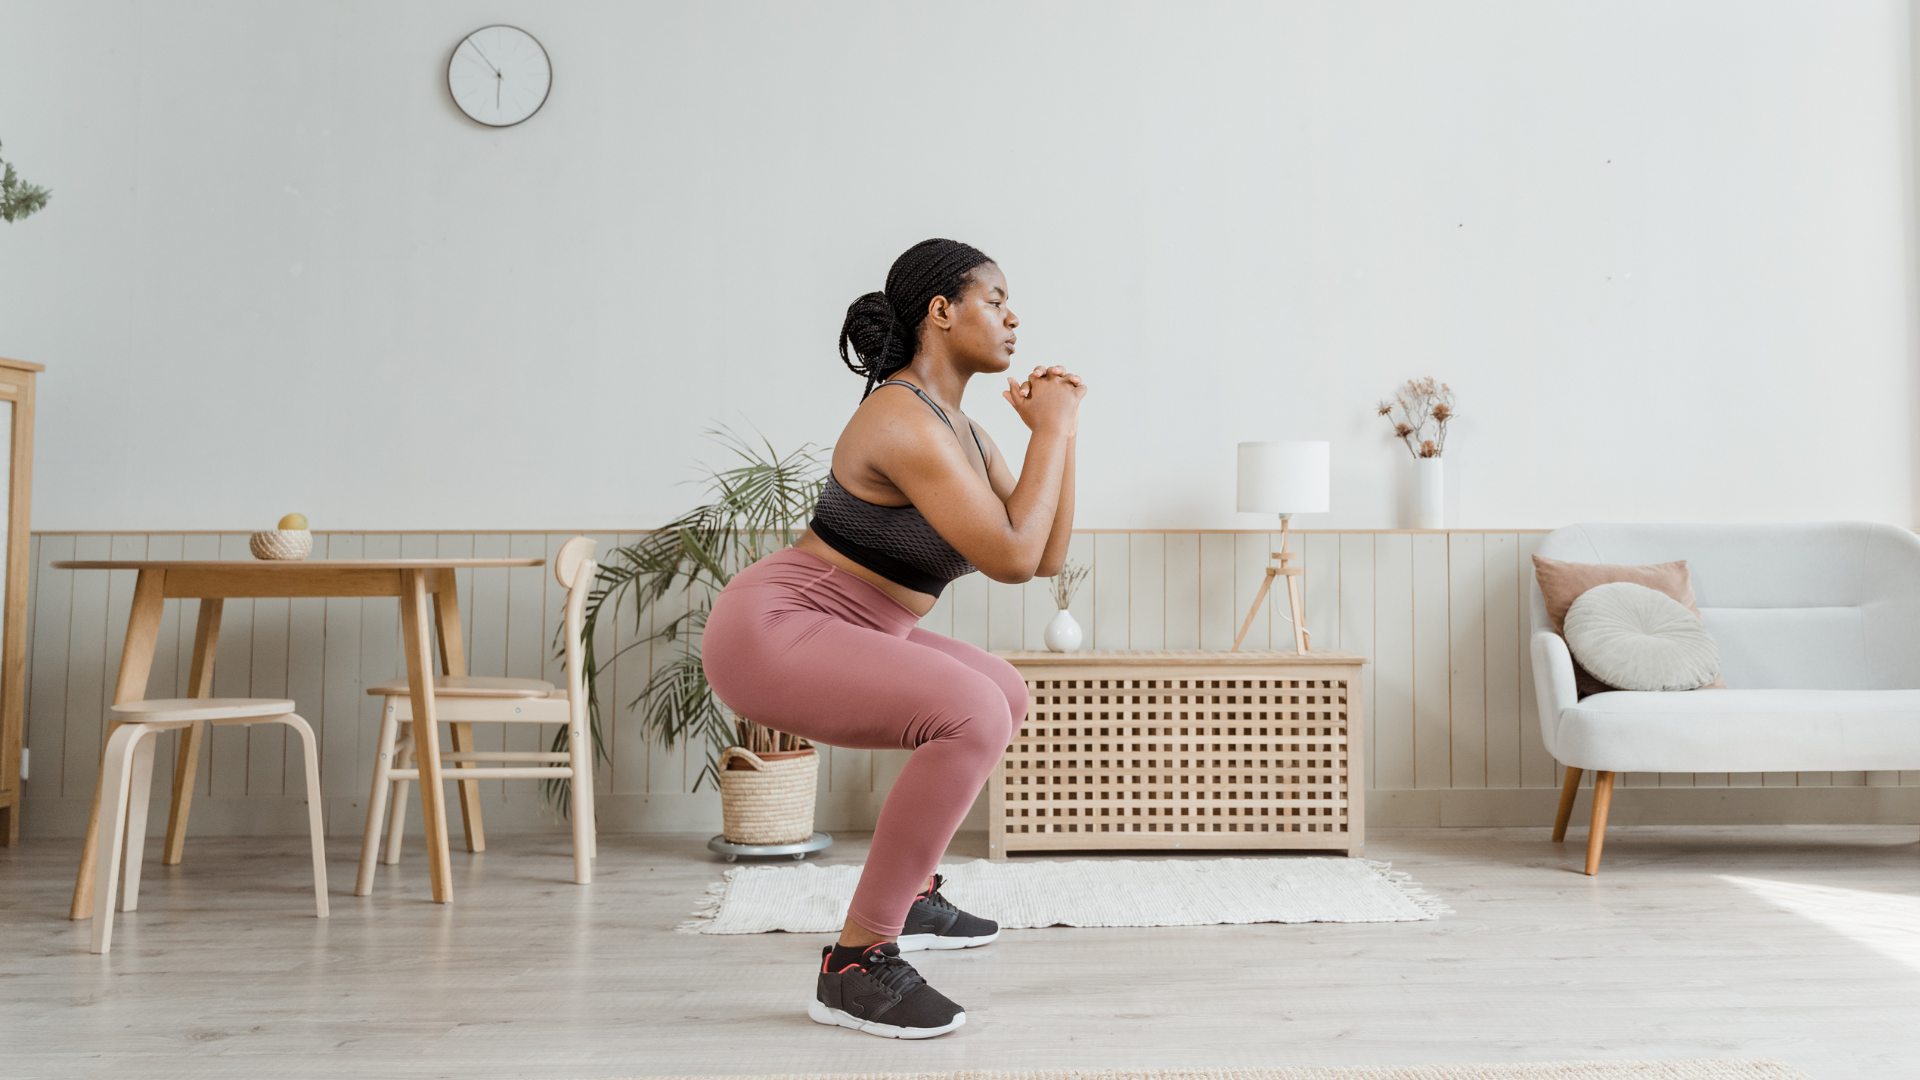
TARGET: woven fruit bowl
(281,545)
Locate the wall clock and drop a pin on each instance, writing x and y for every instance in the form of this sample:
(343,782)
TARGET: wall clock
(499,75)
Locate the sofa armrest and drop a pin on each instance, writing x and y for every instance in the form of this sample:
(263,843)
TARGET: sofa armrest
(1552,681)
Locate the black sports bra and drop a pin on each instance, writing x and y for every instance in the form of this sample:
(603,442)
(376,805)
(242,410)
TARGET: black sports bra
(895,542)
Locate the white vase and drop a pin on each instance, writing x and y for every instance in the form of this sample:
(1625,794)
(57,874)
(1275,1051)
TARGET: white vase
(1063,634)
(1433,495)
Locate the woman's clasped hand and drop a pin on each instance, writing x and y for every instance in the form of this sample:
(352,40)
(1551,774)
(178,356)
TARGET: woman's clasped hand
(1057,402)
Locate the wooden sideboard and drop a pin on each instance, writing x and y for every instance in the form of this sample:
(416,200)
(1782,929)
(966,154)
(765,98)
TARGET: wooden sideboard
(16,434)
(1183,750)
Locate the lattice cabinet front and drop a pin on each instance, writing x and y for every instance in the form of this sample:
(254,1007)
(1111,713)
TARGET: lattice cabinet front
(1182,750)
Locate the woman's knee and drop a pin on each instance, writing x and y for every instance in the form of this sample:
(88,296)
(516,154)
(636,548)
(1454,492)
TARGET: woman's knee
(1008,679)
(974,714)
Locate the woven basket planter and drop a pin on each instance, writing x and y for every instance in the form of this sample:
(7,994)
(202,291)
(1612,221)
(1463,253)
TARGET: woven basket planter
(767,798)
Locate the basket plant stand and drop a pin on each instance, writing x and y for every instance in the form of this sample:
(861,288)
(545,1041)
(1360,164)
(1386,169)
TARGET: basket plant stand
(1183,750)
(767,803)
(817,842)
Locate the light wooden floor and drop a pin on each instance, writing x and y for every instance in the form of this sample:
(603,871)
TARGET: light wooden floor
(1799,943)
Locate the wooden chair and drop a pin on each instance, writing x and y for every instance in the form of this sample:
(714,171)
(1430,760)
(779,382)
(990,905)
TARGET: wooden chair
(127,781)
(464,700)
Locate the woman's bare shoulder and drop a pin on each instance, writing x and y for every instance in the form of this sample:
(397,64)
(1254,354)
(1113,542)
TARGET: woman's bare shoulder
(888,426)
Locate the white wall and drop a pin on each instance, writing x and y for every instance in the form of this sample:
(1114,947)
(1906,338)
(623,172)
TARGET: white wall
(1660,249)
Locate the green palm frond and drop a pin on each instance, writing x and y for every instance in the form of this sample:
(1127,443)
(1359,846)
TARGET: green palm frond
(757,504)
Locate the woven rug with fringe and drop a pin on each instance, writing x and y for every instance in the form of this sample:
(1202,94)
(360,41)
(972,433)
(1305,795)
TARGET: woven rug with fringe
(1708,1069)
(1122,892)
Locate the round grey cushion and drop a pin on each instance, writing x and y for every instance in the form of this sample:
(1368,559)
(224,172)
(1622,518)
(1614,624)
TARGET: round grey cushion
(1636,638)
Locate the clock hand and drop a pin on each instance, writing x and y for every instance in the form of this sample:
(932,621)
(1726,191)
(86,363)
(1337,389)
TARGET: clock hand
(483,58)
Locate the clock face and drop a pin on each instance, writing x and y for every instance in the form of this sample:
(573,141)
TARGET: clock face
(499,75)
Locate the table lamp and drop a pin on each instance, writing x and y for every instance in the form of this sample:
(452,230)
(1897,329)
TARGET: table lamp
(1284,478)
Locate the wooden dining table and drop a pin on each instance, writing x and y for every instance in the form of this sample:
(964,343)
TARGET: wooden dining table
(427,594)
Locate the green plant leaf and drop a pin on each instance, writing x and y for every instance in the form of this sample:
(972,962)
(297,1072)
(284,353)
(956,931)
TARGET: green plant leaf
(756,505)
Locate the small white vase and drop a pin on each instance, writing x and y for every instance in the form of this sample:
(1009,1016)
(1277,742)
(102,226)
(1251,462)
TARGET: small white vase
(1063,634)
(1433,495)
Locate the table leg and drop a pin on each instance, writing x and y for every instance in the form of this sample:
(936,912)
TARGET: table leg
(136,661)
(426,731)
(453,661)
(206,642)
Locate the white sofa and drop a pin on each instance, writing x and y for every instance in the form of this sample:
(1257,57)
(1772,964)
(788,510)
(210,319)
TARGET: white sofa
(1819,634)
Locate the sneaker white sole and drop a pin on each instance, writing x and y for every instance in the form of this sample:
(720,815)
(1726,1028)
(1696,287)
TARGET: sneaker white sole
(821,1014)
(924,942)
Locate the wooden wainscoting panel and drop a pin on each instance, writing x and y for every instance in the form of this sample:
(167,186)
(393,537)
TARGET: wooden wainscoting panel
(1320,581)
(1147,591)
(1219,617)
(1391,736)
(1112,588)
(1358,560)
(1432,742)
(87,672)
(1180,606)
(1536,765)
(1467,660)
(1443,617)
(1006,615)
(1507,646)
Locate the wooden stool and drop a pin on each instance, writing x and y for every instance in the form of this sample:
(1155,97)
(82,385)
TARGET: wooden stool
(461,701)
(127,779)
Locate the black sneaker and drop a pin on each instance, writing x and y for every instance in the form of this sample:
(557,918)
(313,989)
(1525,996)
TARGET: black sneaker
(934,923)
(882,995)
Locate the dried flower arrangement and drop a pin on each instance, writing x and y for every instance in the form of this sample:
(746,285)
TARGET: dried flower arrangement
(1419,403)
(1067,582)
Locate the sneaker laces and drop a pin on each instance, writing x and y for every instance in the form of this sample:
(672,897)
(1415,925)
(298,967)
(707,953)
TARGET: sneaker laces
(932,896)
(892,972)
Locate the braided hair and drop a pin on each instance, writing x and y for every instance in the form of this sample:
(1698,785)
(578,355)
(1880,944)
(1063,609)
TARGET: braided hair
(884,327)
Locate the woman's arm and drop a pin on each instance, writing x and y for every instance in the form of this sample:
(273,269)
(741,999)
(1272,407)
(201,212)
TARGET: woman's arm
(1006,539)
(1054,556)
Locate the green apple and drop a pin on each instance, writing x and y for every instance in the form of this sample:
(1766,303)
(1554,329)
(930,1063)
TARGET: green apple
(293,522)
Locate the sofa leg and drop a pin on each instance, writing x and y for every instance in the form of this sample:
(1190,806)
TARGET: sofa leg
(1567,791)
(1597,835)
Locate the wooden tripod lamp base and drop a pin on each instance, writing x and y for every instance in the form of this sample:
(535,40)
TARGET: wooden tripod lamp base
(1284,478)
(1289,569)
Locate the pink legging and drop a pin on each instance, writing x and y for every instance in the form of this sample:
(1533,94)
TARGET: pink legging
(804,647)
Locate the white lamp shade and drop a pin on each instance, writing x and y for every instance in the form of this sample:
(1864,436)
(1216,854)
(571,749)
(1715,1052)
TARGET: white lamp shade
(1285,477)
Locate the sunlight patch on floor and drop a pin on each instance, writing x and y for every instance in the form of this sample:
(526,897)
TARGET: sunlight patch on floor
(1887,923)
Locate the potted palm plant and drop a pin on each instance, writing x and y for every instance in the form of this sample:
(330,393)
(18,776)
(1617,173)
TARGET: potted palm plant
(757,505)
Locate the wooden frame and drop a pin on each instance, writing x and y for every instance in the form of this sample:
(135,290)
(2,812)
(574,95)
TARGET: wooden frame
(16,387)
(212,581)
(1297,718)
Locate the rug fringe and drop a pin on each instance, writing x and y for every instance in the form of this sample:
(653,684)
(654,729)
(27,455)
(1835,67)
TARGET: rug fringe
(1432,906)
(708,907)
